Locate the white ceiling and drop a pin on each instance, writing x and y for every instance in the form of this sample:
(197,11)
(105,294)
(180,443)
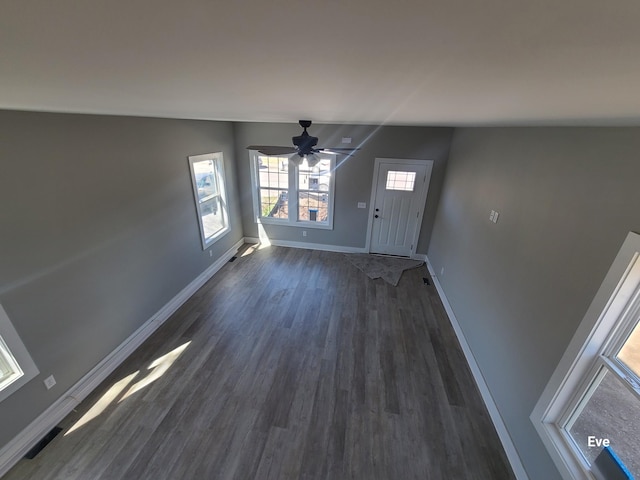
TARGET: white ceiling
(438,62)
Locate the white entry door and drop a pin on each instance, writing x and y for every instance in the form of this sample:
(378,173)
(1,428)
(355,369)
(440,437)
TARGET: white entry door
(400,191)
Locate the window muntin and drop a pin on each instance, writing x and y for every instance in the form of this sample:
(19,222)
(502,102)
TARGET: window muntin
(207,176)
(294,195)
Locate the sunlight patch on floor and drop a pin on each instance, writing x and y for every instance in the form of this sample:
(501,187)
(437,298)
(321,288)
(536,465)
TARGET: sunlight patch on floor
(158,368)
(101,405)
(254,248)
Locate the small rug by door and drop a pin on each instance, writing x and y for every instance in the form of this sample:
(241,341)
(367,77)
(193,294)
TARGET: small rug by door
(388,268)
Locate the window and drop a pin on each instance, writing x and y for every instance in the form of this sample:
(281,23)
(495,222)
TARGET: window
(401,180)
(288,194)
(9,368)
(16,365)
(207,176)
(273,187)
(591,407)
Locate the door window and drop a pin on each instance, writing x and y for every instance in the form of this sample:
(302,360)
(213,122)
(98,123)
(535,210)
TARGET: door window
(400,180)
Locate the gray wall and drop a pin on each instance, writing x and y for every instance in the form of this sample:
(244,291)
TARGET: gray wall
(353,177)
(98,231)
(567,198)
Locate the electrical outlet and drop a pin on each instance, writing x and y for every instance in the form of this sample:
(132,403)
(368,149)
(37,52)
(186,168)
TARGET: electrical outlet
(304,233)
(442,271)
(346,139)
(362,205)
(211,253)
(49,382)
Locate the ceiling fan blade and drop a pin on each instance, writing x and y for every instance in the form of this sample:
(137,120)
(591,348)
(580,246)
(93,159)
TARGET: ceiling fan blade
(336,151)
(272,149)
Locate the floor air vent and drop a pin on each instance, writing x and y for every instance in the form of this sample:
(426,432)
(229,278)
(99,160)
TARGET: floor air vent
(43,443)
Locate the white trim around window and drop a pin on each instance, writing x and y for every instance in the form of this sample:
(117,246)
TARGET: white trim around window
(16,365)
(210,195)
(592,353)
(280,188)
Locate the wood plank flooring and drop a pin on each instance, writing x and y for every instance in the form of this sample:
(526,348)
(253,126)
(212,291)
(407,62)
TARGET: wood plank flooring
(288,364)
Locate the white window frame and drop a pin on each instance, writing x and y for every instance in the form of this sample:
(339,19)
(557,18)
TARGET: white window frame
(218,163)
(602,331)
(293,191)
(16,365)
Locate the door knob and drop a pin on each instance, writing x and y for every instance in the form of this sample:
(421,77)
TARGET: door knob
(377,209)
(375,216)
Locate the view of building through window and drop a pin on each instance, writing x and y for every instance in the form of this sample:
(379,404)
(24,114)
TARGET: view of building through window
(313,191)
(273,173)
(307,189)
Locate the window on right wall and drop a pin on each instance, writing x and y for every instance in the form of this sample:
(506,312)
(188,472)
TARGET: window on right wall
(589,414)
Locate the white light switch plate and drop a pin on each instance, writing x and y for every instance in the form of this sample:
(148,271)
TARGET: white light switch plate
(362,205)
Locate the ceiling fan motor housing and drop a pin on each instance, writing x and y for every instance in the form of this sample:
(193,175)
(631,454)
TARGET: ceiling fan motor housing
(305,142)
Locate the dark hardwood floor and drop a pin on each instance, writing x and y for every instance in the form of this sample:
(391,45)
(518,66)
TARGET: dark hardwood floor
(287,364)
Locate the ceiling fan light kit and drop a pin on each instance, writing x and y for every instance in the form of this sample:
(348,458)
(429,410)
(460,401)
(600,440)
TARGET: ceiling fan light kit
(304,148)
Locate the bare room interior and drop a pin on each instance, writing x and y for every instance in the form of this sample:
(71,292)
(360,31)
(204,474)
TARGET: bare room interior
(186,286)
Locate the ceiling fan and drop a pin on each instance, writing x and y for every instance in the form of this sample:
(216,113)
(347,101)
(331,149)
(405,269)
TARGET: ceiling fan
(304,148)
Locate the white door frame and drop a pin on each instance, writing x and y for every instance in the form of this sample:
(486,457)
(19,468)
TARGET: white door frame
(423,195)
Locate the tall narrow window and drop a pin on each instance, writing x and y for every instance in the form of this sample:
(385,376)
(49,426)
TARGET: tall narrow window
(313,192)
(295,195)
(16,365)
(207,176)
(272,174)
(589,414)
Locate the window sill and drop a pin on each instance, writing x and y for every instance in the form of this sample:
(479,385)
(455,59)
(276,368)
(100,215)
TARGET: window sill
(288,223)
(211,240)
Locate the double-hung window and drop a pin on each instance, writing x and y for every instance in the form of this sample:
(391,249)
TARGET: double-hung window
(288,193)
(207,177)
(589,414)
(16,365)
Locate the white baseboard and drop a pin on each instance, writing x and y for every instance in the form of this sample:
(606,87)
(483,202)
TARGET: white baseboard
(25,440)
(309,246)
(496,418)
